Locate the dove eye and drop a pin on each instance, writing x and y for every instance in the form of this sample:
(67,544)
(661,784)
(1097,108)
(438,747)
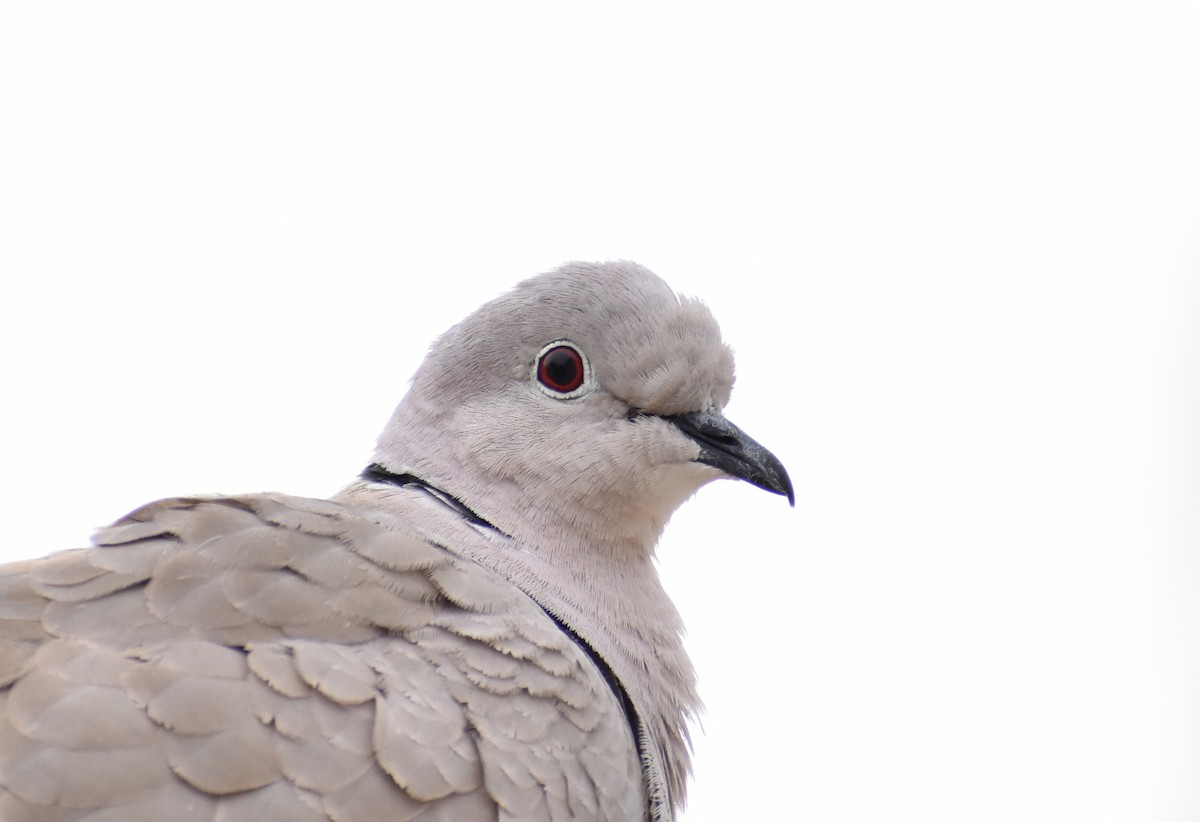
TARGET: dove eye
(562,370)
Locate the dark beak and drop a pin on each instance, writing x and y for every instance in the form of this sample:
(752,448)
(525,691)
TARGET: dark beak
(728,448)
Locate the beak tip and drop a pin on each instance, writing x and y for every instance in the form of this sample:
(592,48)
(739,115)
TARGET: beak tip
(785,490)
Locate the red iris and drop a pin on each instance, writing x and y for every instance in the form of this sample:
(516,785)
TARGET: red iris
(561,369)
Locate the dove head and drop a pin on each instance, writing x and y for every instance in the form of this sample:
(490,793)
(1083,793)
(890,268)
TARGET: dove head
(585,403)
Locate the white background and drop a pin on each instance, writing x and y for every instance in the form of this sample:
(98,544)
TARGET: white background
(956,247)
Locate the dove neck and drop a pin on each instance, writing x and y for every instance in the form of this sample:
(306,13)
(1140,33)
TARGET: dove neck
(611,600)
(607,593)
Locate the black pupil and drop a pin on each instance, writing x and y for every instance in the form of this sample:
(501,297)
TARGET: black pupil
(561,368)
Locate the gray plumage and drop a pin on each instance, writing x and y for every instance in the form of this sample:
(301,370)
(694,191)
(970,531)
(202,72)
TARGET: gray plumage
(472,630)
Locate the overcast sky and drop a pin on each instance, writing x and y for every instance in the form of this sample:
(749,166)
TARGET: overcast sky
(956,247)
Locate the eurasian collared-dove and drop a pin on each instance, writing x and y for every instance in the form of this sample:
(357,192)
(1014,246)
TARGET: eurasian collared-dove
(472,630)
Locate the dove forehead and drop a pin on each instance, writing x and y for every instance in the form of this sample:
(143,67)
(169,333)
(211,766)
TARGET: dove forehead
(649,347)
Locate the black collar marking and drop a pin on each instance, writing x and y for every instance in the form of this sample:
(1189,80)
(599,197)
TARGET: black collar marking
(377,473)
(610,676)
